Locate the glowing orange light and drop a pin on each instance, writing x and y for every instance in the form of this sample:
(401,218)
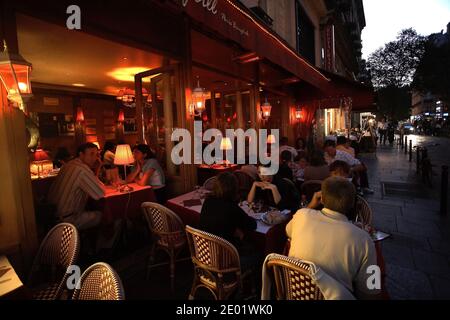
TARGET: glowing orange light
(298,113)
(80,115)
(266,109)
(121,117)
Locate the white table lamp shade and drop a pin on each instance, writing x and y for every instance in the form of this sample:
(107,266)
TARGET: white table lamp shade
(225,144)
(123,155)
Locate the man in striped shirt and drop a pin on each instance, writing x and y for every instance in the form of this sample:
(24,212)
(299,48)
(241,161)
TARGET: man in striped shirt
(75,183)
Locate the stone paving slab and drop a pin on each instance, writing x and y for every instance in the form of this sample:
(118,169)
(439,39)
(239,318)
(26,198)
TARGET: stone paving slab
(407,284)
(441,287)
(417,255)
(432,263)
(410,241)
(418,227)
(398,255)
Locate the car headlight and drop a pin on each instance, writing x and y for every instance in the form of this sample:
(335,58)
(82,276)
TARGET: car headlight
(411,129)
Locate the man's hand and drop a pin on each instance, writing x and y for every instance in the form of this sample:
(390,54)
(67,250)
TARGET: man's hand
(316,200)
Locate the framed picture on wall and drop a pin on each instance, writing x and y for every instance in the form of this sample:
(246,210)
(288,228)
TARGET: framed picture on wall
(129,125)
(66,125)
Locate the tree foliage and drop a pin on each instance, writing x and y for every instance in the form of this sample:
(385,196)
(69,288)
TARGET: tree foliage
(395,64)
(433,72)
(394,102)
(392,69)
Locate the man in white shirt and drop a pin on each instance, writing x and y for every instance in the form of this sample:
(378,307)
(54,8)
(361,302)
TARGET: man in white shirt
(284,146)
(328,239)
(75,183)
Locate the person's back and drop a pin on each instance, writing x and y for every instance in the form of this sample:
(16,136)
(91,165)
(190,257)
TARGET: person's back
(317,169)
(222,218)
(221,214)
(317,172)
(331,241)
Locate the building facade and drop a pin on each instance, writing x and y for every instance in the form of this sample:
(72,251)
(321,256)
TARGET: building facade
(327,34)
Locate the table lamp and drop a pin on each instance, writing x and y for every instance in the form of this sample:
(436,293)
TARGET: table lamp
(124,157)
(225,145)
(41,163)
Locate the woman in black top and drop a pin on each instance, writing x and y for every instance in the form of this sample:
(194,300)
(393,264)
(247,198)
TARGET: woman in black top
(221,214)
(275,191)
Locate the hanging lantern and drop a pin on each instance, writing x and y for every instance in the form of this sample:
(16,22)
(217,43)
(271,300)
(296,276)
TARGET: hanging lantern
(235,116)
(127,96)
(266,109)
(148,101)
(228,119)
(121,117)
(15,76)
(198,99)
(298,113)
(80,115)
(205,117)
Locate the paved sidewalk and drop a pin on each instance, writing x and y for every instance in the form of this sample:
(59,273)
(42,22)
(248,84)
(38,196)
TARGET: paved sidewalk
(417,255)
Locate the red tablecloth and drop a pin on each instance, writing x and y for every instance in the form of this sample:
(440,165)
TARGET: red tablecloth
(117,205)
(269,239)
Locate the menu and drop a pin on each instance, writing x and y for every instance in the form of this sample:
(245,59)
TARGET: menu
(9,281)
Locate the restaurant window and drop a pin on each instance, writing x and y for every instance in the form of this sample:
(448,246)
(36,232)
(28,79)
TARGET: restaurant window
(305,34)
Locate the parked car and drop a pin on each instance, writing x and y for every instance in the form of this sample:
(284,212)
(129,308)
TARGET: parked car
(407,128)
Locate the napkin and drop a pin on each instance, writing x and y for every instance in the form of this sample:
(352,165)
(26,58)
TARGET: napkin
(192,203)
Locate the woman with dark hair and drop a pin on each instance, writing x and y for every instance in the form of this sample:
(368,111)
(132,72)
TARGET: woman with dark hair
(318,168)
(300,145)
(221,214)
(107,154)
(147,171)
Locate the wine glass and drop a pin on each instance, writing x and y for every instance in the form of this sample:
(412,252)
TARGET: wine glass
(197,191)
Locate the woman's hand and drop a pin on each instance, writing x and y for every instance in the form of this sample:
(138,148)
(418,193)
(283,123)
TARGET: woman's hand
(269,186)
(260,184)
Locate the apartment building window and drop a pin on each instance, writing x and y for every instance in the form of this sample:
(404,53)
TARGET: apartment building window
(305,34)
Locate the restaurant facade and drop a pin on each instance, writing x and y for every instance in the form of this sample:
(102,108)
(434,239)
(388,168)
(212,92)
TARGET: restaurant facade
(133,74)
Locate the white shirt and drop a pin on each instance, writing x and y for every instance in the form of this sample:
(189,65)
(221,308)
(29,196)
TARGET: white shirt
(292,150)
(342,156)
(382,126)
(340,248)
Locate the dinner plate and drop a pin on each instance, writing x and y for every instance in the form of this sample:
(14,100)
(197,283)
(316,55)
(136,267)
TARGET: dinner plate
(283,217)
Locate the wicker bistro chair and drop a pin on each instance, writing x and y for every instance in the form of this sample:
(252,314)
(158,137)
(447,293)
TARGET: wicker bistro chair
(245,182)
(168,235)
(99,282)
(59,249)
(292,278)
(209,183)
(216,264)
(363,211)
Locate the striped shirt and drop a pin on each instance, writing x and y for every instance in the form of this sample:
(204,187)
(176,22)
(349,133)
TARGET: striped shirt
(72,188)
(342,156)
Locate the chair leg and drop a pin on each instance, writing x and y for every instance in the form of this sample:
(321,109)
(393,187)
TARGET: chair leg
(151,260)
(172,271)
(193,289)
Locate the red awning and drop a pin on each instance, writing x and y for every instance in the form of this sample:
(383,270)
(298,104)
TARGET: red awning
(235,22)
(363,97)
